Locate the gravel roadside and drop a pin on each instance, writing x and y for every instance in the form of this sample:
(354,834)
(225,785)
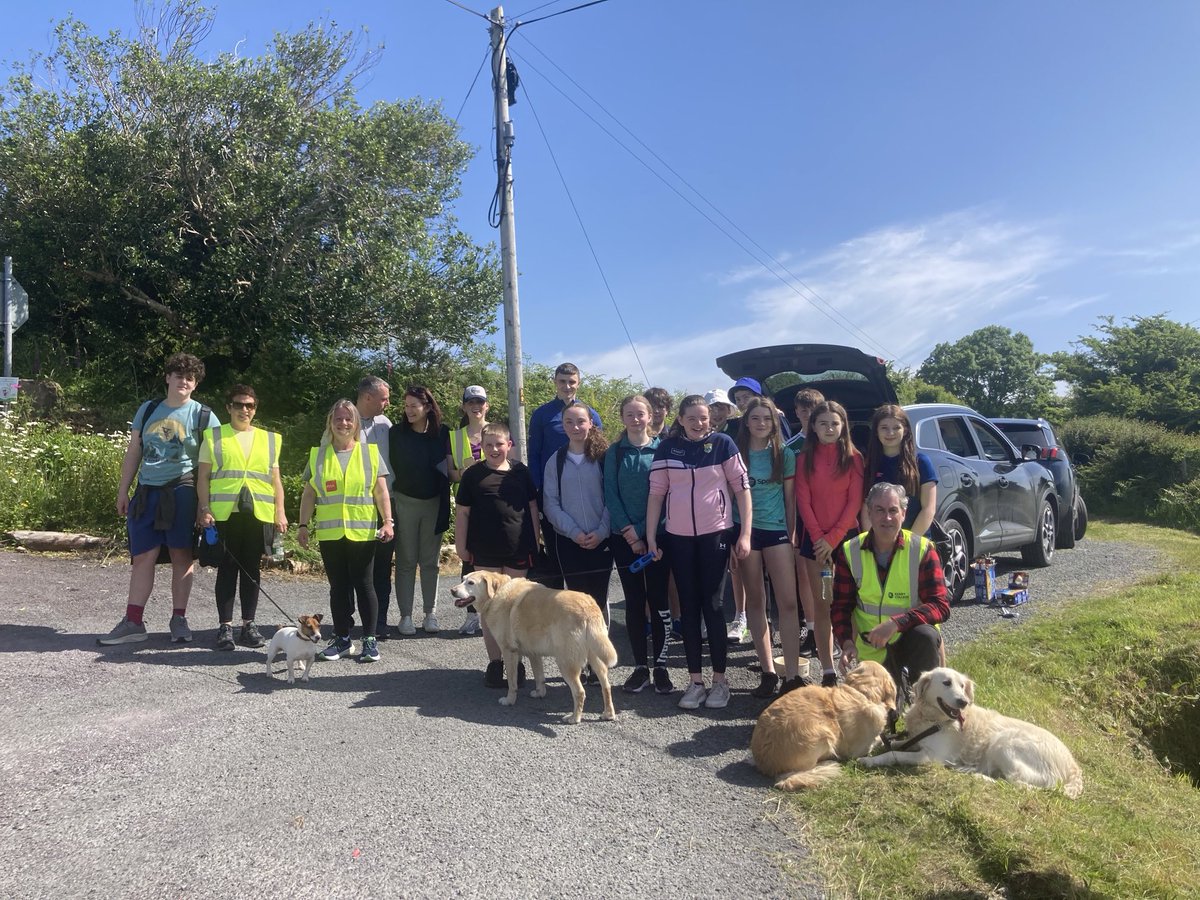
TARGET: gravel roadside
(156,769)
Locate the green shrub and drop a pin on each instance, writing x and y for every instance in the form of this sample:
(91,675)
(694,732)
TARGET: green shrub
(1127,467)
(54,479)
(1179,506)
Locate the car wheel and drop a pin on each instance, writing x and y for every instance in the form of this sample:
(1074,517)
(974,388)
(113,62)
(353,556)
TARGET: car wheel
(1041,551)
(1081,518)
(956,567)
(1066,526)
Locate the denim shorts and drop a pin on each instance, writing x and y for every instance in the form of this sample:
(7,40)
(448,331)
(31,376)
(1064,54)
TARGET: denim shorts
(143,536)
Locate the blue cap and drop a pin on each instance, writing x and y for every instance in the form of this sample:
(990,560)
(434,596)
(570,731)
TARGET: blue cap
(749,384)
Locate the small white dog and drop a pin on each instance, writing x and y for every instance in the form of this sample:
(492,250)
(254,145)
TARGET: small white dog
(958,733)
(300,642)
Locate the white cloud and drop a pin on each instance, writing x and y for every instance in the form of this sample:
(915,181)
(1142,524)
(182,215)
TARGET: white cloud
(895,291)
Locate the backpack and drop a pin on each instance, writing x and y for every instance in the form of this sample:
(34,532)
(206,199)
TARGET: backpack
(199,429)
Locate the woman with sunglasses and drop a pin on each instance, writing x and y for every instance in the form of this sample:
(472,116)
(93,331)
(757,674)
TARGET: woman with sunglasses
(239,489)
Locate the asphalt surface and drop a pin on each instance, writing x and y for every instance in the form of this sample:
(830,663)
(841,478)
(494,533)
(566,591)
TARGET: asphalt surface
(172,770)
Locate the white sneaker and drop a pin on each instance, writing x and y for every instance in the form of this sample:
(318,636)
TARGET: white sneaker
(718,697)
(471,626)
(406,625)
(693,696)
(430,625)
(737,631)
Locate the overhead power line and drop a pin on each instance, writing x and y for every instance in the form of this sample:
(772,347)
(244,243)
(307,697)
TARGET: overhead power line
(468,9)
(586,236)
(814,299)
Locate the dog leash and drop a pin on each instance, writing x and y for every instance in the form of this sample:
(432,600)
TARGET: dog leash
(212,536)
(890,739)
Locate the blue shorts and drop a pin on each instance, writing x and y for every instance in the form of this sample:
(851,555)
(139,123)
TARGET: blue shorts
(143,536)
(762,538)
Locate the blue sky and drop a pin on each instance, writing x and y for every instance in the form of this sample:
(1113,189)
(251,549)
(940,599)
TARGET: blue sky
(921,169)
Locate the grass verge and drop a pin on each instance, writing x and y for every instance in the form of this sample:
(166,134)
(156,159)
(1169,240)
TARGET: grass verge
(1116,677)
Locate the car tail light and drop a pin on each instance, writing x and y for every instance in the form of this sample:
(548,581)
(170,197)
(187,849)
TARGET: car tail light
(1050,453)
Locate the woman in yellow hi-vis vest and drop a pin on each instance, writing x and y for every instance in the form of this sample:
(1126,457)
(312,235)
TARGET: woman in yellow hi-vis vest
(346,483)
(238,488)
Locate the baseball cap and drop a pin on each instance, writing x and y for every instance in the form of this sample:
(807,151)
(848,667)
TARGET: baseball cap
(474,392)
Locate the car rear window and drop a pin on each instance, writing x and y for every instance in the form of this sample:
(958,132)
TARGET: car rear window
(1023,434)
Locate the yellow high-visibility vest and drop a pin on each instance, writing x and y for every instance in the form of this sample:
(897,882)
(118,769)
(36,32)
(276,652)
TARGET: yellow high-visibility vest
(879,602)
(345,500)
(232,470)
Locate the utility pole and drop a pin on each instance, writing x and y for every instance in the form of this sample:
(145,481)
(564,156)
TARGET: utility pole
(7,299)
(508,237)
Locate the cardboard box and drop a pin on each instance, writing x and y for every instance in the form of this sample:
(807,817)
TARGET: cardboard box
(985,579)
(1018,590)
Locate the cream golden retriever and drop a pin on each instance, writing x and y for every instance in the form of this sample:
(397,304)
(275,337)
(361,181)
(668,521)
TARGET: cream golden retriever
(529,619)
(980,740)
(799,735)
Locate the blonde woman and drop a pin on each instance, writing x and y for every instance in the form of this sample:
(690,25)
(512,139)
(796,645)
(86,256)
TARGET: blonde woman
(346,483)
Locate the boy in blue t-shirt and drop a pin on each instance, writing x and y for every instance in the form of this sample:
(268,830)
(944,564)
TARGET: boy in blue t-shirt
(164,444)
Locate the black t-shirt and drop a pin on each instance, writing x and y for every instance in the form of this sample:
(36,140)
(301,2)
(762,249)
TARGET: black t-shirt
(500,526)
(418,460)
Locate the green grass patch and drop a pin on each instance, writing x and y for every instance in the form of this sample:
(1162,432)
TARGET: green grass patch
(1116,677)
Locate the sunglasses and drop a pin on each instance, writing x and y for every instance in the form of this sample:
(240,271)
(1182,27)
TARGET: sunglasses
(241,404)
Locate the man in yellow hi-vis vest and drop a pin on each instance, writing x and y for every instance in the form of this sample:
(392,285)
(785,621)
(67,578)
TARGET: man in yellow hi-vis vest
(889,593)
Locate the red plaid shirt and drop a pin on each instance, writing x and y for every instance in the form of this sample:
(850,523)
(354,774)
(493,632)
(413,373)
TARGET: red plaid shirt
(931,588)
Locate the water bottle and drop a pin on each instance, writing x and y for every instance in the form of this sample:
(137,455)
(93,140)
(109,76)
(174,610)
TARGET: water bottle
(826,583)
(210,535)
(277,548)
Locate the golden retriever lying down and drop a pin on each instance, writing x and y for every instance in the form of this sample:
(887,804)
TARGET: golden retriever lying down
(979,740)
(799,735)
(529,619)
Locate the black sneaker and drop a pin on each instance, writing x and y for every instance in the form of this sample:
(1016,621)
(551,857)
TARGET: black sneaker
(637,681)
(494,676)
(767,684)
(790,684)
(249,636)
(662,681)
(225,638)
(808,643)
(829,679)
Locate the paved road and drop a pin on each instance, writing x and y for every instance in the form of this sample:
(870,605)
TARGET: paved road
(160,770)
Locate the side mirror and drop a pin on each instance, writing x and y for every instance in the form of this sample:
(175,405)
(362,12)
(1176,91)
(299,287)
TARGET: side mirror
(1030,452)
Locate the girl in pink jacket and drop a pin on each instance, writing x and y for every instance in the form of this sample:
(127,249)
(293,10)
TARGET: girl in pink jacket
(829,486)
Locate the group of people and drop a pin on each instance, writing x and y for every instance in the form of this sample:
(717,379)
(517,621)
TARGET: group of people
(730,489)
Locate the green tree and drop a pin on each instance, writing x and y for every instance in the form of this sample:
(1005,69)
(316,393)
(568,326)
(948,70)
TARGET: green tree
(1148,367)
(240,208)
(910,388)
(993,370)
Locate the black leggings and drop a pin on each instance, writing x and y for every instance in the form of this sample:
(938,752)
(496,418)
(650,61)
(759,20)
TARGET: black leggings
(648,585)
(242,537)
(587,571)
(699,565)
(348,566)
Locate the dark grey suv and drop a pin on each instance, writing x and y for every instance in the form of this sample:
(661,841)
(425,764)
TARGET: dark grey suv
(992,497)
(1072,511)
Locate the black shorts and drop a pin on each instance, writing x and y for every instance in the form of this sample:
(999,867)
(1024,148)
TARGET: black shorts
(488,562)
(762,538)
